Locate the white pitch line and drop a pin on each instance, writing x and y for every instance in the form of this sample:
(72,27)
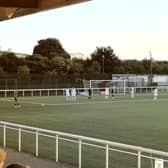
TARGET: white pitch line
(85,103)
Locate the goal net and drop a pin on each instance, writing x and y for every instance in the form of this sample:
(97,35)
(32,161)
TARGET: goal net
(115,86)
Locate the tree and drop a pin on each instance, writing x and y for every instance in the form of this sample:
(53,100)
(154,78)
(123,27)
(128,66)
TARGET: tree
(58,64)
(10,62)
(68,64)
(77,67)
(2,72)
(94,70)
(106,57)
(50,79)
(38,64)
(96,66)
(23,74)
(133,67)
(50,48)
(147,65)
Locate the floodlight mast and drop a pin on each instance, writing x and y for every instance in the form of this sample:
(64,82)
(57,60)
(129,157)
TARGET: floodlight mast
(151,72)
(103,65)
(150,53)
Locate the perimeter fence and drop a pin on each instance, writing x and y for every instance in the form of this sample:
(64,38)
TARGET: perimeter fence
(80,151)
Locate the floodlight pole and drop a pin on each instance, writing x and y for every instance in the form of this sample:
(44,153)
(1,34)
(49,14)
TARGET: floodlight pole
(151,73)
(103,65)
(150,62)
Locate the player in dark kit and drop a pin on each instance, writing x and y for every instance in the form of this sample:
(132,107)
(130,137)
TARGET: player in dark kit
(90,93)
(16,101)
(112,93)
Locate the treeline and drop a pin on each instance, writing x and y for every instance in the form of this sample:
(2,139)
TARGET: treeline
(49,62)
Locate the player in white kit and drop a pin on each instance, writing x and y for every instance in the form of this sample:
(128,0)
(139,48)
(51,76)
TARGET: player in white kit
(106,93)
(155,94)
(68,97)
(132,92)
(73,94)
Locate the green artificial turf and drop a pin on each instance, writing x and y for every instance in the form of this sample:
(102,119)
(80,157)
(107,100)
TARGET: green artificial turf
(140,121)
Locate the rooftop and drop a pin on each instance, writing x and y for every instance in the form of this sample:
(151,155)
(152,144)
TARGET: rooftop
(15,8)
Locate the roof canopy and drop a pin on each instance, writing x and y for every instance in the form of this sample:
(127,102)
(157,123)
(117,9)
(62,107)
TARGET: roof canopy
(15,8)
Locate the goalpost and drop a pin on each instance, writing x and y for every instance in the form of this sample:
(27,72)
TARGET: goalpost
(117,86)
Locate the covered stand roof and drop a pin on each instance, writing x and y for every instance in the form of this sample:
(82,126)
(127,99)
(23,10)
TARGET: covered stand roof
(15,8)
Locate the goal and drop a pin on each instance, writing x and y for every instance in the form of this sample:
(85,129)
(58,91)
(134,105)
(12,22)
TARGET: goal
(117,86)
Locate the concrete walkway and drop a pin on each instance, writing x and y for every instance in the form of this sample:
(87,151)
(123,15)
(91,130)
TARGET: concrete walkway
(28,159)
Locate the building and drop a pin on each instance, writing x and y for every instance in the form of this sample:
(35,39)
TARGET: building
(78,55)
(19,55)
(133,80)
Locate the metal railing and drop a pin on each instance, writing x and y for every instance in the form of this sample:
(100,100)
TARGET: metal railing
(82,141)
(95,91)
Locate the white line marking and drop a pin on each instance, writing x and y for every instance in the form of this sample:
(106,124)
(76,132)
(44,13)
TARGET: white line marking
(85,103)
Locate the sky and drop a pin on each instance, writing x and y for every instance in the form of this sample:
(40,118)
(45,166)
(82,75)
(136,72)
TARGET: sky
(131,27)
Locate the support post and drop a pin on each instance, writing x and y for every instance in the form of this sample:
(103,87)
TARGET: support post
(56,149)
(107,156)
(4,136)
(19,139)
(80,153)
(37,144)
(139,159)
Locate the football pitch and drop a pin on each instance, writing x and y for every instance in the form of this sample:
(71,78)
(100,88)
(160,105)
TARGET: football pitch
(141,121)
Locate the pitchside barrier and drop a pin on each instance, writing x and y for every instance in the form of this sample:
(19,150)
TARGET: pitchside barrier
(158,159)
(81,91)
